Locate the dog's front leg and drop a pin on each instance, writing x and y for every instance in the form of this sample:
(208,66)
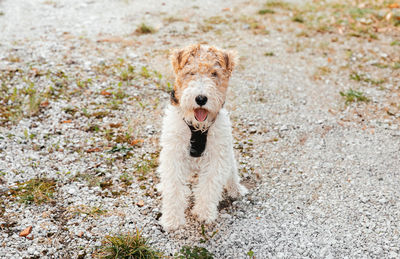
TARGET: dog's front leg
(208,191)
(173,173)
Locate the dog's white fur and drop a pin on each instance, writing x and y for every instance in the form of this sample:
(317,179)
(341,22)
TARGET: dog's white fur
(216,167)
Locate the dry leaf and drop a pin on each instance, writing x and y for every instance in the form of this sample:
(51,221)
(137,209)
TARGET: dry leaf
(105,93)
(80,234)
(136,141)
(394,5)
(44,104)
(67,121)
(115,125)
(91,150)
(140,203)
(26,231)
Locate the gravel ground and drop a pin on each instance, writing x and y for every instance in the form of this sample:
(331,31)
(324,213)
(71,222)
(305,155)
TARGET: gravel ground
(83,92)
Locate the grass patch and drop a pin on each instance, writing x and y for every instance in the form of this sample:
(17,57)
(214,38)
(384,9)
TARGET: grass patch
(363,78)
(266,11)
(277,4)
(354,96)
(269,54)
(37,190)
(93,211)
(144,29)
(395,43)
(298,19)
(127,246)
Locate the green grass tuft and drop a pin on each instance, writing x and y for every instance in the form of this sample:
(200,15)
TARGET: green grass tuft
(145,29)
(265,11)
(127,246)
(354,96)
(37,190)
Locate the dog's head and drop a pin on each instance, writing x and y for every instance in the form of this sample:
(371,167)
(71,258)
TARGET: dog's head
(201,79)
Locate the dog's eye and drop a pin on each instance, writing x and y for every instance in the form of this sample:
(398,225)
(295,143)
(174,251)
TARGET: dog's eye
(214,74)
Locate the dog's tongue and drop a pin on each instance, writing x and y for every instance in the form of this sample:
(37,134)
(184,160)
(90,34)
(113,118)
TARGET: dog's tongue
(200,114)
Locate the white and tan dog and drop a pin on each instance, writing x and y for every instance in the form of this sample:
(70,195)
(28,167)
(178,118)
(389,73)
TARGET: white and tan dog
(196,136)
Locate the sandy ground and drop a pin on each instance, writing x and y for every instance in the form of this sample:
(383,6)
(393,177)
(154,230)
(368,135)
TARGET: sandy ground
(323,174)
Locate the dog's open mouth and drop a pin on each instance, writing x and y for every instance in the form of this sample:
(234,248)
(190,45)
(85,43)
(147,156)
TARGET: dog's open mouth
(200,114)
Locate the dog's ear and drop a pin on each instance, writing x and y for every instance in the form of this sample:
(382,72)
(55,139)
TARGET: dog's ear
(230,60)
(176,59)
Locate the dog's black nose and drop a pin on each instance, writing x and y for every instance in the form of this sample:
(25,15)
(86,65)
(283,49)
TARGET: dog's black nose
(201,100)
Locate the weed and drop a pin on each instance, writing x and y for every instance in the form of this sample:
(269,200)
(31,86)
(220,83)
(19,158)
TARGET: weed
(352,96)
(265,11)
(250,253)
(298,19)
(126,178)
(277,4)
(195,252)
(145,29)
(128,73)
(93,211)
(37,190)
(362,78)
(216,20)
(145,72)
(395,43)
(205,235)
(120,148)
(269,54)
(127,246)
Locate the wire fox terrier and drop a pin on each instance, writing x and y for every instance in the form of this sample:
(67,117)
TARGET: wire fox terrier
(196,136)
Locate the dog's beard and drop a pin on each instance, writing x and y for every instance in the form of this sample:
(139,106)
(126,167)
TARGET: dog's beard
(201,117)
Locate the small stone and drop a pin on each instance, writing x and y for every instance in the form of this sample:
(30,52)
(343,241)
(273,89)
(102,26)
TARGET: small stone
(140,203)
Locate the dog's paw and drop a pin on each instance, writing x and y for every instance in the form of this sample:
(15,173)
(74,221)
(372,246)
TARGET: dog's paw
(205,213)
(171,222)
(236,191)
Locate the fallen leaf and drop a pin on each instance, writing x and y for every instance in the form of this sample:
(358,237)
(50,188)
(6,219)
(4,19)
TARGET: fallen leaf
(258,218)
(140,203)
(105,93)
(394,5)
(136,141)
(44,104)
(67,121)
(80,234)
(91,150)
(226,9)
(26,231)
(115,125)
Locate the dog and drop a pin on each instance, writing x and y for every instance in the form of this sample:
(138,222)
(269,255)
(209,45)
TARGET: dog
(197,136)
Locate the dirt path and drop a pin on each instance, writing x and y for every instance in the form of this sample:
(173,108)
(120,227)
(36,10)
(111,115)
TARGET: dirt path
(82,91)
